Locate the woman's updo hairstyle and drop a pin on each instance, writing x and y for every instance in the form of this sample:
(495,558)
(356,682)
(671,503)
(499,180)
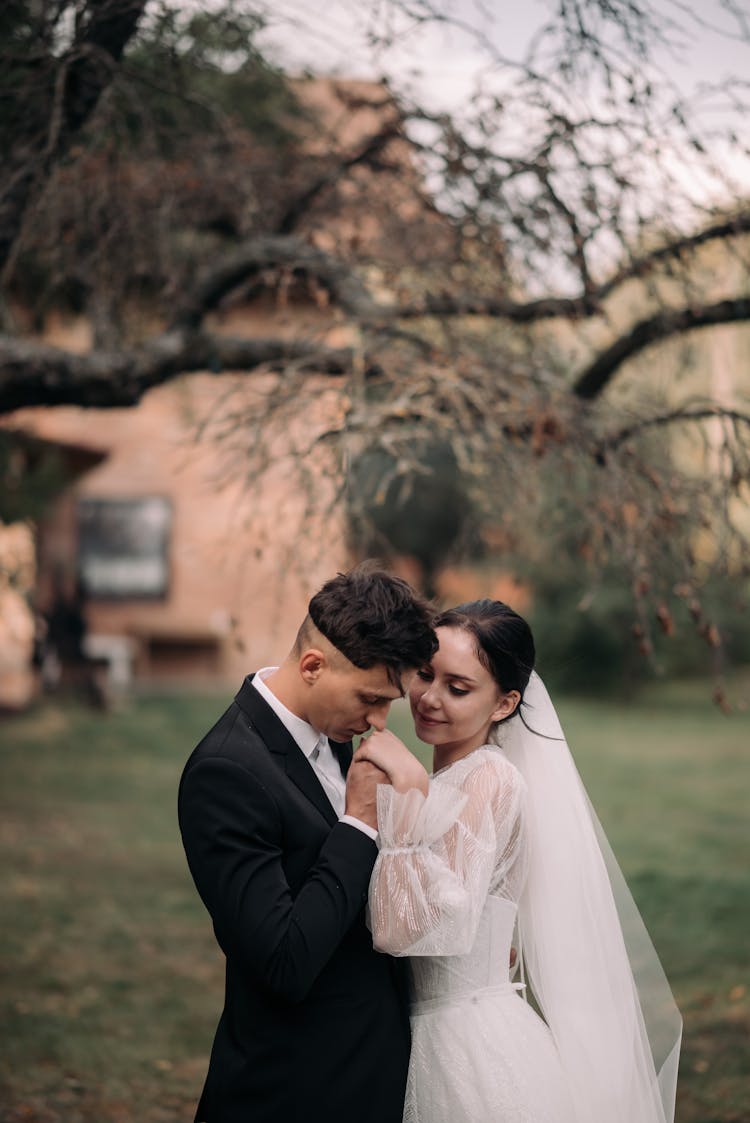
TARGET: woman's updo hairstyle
(504,643)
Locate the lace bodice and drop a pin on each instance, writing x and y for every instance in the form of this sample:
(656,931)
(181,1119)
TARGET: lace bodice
(450,872)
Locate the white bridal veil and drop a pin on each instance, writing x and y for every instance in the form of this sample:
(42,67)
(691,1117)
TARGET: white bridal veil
(589,960)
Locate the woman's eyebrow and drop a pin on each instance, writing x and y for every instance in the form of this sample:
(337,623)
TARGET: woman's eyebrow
(463,678)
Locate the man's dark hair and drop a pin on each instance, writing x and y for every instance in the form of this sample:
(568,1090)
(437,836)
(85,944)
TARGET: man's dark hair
(374,618)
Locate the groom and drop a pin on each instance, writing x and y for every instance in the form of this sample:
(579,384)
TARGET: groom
(280,835)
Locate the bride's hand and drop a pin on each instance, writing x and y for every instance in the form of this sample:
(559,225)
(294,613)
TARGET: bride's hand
(386,751)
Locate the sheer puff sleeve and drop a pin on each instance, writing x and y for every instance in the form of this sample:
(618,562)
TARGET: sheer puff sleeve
(440,853)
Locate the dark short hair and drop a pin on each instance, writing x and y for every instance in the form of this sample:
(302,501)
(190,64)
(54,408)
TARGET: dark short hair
(374,618)
(503,639)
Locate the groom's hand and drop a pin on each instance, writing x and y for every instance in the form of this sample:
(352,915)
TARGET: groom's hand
(362,781)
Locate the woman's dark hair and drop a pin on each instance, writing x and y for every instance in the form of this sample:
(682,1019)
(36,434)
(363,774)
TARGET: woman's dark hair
(374,618)
(504,643)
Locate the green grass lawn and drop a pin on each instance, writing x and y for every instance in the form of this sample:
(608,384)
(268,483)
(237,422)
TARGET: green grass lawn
(111,981)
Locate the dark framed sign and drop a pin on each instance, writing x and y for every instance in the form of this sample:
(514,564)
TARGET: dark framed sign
(123,546)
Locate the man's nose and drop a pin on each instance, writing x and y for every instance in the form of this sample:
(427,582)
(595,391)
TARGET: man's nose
(378,716)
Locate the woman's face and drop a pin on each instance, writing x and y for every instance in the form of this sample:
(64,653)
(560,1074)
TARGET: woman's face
(454,700)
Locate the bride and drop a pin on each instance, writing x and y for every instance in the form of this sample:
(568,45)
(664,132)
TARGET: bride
(500,848)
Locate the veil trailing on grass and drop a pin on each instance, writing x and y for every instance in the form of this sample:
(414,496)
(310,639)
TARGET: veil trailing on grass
(589,959)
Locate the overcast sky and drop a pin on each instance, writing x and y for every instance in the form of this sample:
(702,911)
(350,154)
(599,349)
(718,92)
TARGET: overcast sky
(439,65)
(443,62)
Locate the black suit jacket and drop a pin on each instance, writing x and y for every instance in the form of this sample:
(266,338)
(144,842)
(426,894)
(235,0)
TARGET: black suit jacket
(315,1024)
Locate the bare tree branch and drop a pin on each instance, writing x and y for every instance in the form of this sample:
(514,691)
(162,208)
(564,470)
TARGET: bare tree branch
(662,326)
(590,302)
(703,413)
(641,265)
(498,308)
(273,252)
(365,155)
(35,374)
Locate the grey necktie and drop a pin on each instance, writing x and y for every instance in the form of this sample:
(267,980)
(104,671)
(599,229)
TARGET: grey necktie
(329,773)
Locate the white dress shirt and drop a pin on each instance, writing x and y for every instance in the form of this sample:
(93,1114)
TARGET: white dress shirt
(316,748)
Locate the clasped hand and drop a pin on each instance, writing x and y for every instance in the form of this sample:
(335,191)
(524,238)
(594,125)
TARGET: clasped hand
(380,759)
(387,752)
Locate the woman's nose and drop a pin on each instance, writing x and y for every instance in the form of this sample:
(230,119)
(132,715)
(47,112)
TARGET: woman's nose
(430,697)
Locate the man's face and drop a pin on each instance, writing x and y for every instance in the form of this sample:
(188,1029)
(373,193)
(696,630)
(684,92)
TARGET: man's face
(345,701)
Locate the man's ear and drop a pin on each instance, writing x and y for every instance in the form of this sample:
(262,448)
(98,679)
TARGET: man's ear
(507,705)
(312,662)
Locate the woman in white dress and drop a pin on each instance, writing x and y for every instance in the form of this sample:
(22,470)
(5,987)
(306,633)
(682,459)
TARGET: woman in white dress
(499,848)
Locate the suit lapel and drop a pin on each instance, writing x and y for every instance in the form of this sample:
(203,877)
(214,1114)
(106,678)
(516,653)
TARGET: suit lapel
(285,750)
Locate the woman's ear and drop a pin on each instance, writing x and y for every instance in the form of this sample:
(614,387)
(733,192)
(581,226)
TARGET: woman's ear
(507,705)
(312,662)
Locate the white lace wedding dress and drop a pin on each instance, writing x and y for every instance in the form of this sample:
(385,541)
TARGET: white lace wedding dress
(444,892)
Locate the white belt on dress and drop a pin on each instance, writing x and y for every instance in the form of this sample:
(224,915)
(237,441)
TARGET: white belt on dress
(499,990)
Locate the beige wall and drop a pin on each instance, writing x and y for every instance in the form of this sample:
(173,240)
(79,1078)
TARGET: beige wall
(243,561)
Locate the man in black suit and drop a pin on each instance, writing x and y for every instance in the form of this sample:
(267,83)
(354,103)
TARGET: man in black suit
(281,847)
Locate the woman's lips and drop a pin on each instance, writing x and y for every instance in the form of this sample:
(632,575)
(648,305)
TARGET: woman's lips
(428,720)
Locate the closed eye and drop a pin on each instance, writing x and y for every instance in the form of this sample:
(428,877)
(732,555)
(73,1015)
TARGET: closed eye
(457,691)
(426,676)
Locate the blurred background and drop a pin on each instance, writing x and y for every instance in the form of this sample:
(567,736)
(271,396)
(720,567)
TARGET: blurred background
(453,285)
